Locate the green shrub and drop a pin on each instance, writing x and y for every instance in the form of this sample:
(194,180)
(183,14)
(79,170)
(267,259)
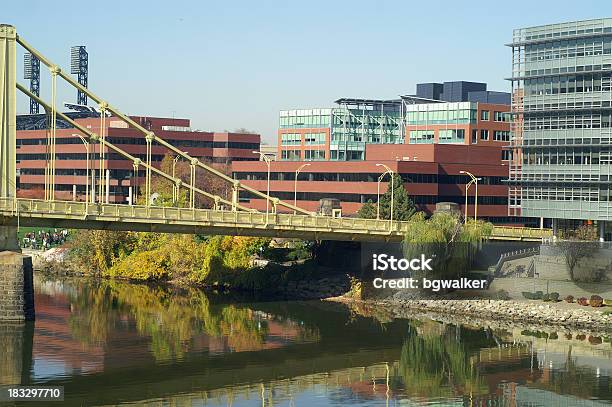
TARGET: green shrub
(554,297)
(546,297)
(538,295)
(527,295)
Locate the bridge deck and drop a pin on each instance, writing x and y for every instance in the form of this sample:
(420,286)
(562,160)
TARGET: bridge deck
(80,215)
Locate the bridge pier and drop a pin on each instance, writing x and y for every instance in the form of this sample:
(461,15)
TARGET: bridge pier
(16,279)
(16,287)
(16,341)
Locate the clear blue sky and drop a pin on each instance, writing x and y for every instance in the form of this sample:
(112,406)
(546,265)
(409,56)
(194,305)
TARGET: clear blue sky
(231,64)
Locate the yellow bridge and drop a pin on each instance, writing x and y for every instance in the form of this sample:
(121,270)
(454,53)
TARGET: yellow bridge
(238,220)
(82,215)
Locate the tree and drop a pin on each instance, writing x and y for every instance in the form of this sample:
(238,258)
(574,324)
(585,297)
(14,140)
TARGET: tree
(204,180)
(577,245)
(403,207)
(367,210)
(444,237)
(243,130)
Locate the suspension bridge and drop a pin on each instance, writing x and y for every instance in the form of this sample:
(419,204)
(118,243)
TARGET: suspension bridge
(227,216)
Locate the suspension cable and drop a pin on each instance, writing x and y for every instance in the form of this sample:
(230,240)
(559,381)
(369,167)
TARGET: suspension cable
(54,71)
(94,137)
(144,131)
(149,140)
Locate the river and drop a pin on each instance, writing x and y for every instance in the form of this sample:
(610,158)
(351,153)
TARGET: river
(112,343)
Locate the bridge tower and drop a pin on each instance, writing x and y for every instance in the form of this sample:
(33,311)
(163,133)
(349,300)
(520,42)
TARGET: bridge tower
(8,124)
(17,300)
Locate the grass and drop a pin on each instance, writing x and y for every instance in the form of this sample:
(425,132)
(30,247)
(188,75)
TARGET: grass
(23,230)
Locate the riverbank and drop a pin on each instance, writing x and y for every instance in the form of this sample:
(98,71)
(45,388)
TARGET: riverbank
(294,280)
(501,313)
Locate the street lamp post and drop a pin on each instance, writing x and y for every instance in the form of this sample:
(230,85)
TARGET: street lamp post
(378,195)
(474,181)
(174,191)
(297,172)
(86,144)
(268,160)
(391,174)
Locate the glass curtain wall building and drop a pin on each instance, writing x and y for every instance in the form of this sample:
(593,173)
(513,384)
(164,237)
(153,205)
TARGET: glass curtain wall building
(357,122)
(343,130)
(561,134)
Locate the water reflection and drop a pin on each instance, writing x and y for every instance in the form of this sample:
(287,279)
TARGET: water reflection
(114,343)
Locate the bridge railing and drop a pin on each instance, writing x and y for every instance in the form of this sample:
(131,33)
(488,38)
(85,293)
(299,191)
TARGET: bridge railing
(210,217)
(521,232)
(121,212)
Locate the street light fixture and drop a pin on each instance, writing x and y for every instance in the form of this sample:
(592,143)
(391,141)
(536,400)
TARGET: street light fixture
(297,172)
(391,173)
(268,160)
(86,144)
(474,181)
(380,177)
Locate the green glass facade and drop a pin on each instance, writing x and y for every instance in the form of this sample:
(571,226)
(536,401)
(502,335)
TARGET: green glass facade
(442,113)
(351,126)
(354,126)
(562,115)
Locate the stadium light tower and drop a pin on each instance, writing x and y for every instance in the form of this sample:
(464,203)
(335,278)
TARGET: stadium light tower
(79,65)
(31,71)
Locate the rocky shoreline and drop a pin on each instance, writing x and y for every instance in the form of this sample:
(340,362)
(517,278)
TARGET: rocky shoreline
(505,313)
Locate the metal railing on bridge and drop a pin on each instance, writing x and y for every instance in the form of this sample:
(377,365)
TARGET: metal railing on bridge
(75,214)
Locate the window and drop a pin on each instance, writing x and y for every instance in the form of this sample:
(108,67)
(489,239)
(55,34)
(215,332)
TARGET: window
(314,138)
(291,139)
(451,136)
(484,134)
(474,136)
(484,115)
(421,136)
(314,155)
(501,116)
(501,135)
(290,155)
(506,155)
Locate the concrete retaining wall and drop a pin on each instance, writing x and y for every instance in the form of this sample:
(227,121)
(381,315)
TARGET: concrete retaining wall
(515,286)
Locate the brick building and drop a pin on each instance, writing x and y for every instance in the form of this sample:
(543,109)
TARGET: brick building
(71,157)
(434,176)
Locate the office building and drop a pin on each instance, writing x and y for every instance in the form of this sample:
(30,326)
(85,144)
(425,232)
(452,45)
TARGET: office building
(431,174)
(562,139)
(72,161)
(446,113)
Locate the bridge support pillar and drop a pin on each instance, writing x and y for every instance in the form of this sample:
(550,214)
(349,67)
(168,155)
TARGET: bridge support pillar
(16,356)
(16,287)
(8,113)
